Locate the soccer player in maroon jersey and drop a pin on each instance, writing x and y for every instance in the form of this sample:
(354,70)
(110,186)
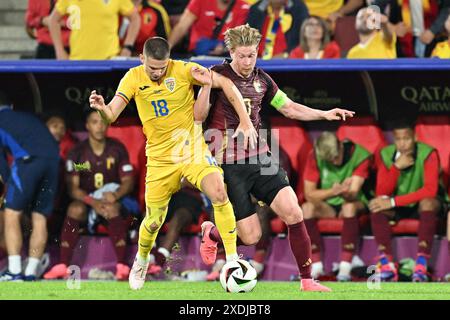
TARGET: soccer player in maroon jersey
(100,176)
(243,179)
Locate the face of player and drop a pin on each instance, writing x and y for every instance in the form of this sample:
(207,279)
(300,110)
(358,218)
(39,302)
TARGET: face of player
(338,160)
(57,128)
(404,140)
(155,69)
(96,127)
(313,29)
(244,60)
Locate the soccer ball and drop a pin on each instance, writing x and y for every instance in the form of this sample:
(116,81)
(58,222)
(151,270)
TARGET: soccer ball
(238,276)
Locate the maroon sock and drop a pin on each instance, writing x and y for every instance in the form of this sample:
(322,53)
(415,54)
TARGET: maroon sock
(301,248)
(349,238)
(314,234)
(261,250)
(69,238)
(117,229)
(427,229)
(382,232)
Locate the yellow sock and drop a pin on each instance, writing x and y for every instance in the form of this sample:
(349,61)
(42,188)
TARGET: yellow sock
(148,231)
(226,224)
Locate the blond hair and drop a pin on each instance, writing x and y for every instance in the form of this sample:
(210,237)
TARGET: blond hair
(242,36)
(327,146)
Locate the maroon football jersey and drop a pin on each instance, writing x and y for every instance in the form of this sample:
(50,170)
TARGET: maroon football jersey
(96,171)
(257,90)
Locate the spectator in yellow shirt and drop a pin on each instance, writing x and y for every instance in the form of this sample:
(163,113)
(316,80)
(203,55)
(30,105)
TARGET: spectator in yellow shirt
(442,49)
(331,10)
(376,37)
(94,28)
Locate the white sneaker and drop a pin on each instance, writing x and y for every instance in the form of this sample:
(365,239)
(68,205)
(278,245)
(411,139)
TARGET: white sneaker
(317,270)
(137,275)
(345,269)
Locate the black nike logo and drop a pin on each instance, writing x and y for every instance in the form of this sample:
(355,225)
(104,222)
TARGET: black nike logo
(144,87)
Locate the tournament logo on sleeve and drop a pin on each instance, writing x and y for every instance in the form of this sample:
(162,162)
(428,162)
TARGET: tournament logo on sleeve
(170,84)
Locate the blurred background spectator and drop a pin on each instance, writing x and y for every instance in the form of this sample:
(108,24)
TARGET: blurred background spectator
(377,39)
(205,21)
(315,41)
(94,28)
(442,49)
(37,22)
(279,23)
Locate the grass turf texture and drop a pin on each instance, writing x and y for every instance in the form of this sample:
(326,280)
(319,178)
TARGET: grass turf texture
(176,290)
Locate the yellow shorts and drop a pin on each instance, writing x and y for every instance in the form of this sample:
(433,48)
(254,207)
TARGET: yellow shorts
(162,180)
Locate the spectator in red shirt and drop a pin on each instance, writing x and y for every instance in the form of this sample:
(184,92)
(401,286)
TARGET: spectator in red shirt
(407,187)
(36,18)
(334,175)
(315,41)
(279,22)
(203,16)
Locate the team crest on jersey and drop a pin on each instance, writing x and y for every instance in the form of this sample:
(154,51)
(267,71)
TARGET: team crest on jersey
(257,86)
(170,84)
(110,162)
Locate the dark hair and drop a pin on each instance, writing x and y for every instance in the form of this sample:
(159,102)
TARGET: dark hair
(4,99)
(157,48)
(325,35)
(404,124)
(87,113)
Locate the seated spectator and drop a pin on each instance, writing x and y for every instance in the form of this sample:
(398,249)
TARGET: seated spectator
(279,23)
(206,21)
(437,25)
(334,175)
(154,23)
(407,187)
(315,41)
(331,10)
(185,208)
(100,178)
(410,20)
(442,49)
(37,21)
(30,188)
(94,36)
(374,43)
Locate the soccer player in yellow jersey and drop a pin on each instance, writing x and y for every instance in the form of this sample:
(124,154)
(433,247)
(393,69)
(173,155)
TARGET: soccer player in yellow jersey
(94,26)
(176,149)
(376,37)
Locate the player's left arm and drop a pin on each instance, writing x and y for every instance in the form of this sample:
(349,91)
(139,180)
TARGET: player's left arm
(297,111)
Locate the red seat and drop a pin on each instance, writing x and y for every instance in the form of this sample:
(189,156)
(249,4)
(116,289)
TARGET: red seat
(334,225)
(277,225)
(435,131)
(405,226)
(345,34)
(295,142)
(129,132)
(363,131)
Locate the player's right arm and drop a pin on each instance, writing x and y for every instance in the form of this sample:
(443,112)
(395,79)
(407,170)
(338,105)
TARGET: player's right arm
(109,112)
(125,92)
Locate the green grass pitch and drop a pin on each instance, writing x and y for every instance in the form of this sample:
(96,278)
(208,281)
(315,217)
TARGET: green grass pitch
(178,290)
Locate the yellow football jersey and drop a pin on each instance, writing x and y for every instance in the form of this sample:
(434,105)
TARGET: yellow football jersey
(442,50)
(375,48)
(166,110)
(323,8)
(94,26)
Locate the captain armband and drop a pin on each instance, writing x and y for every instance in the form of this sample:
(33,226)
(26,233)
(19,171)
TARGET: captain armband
(279,100)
